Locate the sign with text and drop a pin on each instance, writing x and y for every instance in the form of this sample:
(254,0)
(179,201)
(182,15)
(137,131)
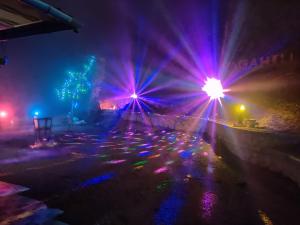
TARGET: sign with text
(263,61)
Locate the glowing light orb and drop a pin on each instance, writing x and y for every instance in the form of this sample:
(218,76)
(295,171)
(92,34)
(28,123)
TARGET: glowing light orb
(242,108)
(36,113)
(213,88)
(3,114)
(134,96)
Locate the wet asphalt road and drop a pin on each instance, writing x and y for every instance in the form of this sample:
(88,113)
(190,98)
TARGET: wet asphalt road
(144,177)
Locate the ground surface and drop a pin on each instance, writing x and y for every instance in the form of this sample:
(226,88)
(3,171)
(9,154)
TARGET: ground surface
(139,177)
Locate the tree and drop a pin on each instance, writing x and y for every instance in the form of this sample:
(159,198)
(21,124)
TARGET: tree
(76,85)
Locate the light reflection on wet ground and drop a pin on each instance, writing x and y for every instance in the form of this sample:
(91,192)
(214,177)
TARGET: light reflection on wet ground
(146,177)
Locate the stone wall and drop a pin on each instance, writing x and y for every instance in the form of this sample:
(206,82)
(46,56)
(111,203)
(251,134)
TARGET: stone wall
(275,151)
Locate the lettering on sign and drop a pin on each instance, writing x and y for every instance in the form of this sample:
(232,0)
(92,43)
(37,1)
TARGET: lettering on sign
(263,61)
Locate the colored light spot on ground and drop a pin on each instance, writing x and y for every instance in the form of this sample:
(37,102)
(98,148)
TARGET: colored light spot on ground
(163,185)
(154,156)
(186,154)
(172,139)
(140,163)
(97,180)
(103,156)
(169,162)
(145,153)
(161,170)
(126,152)
(210,168)
(138,167)
(266,220)
(208,202)
(169,209)
(116,161)
(143,145)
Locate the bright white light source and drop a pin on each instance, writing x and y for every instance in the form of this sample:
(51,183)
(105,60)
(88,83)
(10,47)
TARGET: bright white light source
(213,88)
(134,96)
(242,107)
(3,114)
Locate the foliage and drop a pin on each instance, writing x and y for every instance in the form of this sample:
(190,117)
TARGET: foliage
(76,84)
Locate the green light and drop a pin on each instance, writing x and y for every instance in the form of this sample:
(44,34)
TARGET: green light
(140,163)
(76,84)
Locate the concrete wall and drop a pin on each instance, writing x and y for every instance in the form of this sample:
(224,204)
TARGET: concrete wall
(275,151)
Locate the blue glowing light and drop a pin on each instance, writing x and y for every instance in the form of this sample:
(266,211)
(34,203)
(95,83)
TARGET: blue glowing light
(170,209)
(172,138)
(145,153)
(186,154)
(36,113)
(97,180)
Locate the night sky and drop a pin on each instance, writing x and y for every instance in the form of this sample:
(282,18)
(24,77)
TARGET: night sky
(113,29)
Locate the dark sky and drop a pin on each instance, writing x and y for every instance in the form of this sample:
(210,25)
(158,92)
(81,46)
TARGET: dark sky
(37,64)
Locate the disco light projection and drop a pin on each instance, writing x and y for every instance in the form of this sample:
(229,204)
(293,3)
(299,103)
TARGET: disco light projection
(154,156)
(140,163)
(138,167)
(97,180)
(170,208)
(145,153)
(76,84)
(164,185)
(185,154)
(116,161)
(208,202)
(213,88)
(161,170)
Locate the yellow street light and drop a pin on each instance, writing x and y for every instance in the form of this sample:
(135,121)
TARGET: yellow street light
(242,108)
